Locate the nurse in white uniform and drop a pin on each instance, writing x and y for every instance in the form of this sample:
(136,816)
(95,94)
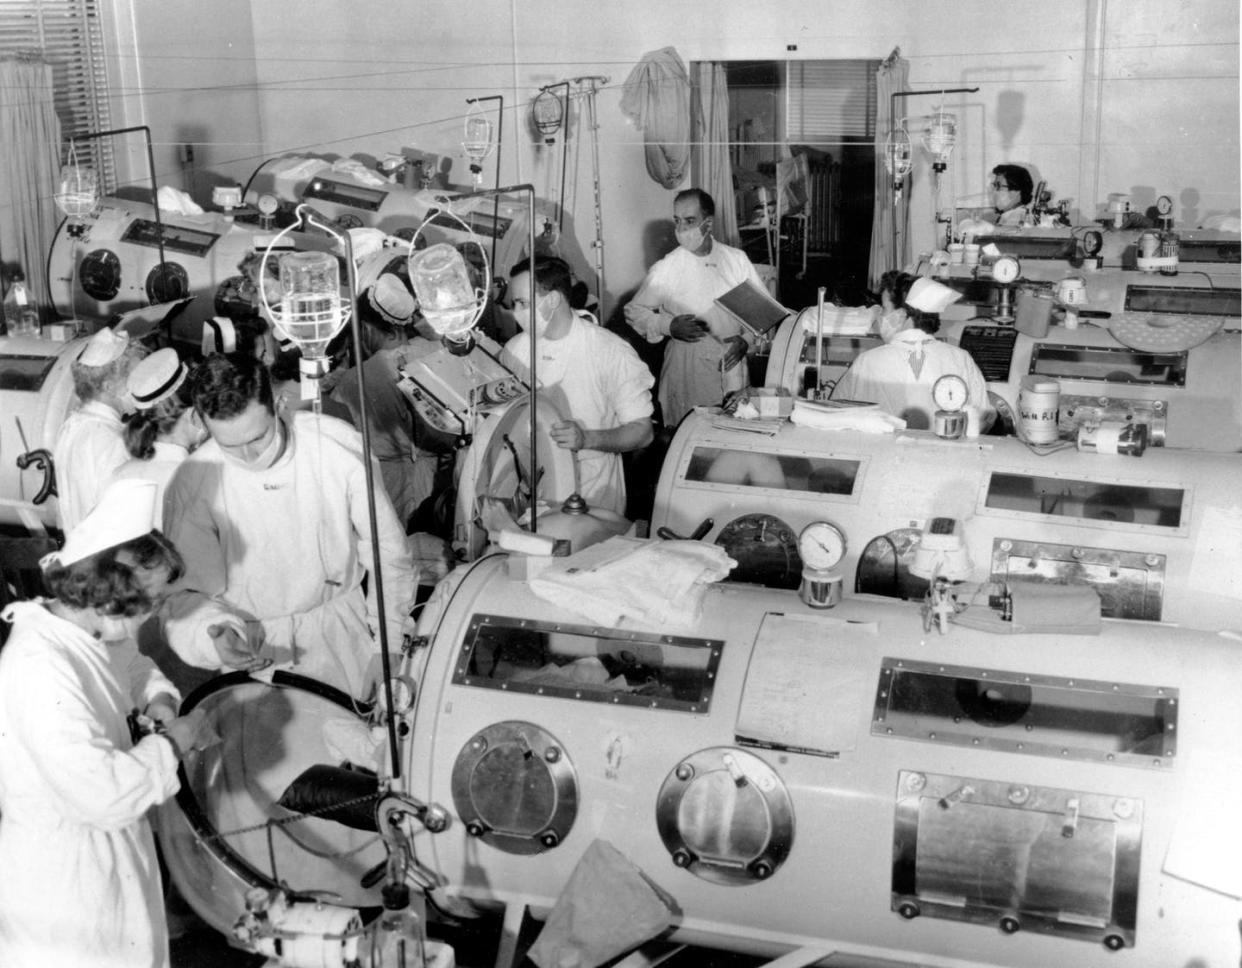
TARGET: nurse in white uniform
(81,884)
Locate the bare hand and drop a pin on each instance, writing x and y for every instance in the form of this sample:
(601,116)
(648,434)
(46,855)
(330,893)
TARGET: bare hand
(162,709)
(192,732)
(687,328)
(569,434)
(735,351)
(237,651)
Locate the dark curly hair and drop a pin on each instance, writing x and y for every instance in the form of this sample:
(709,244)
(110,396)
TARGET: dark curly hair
(108,586)
(144,427)
(224,386)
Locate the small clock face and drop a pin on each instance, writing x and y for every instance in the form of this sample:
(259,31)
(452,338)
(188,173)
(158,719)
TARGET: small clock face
(950,392)
(1164,205)
(1006,269)
(821,545)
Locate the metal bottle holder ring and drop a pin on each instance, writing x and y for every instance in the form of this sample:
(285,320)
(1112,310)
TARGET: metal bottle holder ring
(459,332)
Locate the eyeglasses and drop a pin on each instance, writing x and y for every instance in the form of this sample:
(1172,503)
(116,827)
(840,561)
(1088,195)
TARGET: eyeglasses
(1000,186)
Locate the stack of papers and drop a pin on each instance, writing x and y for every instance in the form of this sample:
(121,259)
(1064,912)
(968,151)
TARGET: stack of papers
(845,415)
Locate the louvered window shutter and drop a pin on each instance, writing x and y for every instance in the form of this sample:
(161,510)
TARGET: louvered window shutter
(69,35)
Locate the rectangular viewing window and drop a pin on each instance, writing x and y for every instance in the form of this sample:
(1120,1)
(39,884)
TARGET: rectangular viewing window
(588,663)
(1089,500)
(1177,299)
(177,238)
(481,223)
(355,196)
(1205,250)
(838,350)
(1109,364)
(1034,246)
(25,373)
(1011,712)
(783,472)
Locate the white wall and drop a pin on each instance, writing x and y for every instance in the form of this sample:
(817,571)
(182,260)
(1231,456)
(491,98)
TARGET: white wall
(186,69)
(1095,95)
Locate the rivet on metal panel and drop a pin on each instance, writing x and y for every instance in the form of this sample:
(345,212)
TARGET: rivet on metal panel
(931,735)
(1123,808)
(1152,560)
(1077,554)
(552,754)
(1018,795)
(915,782)
(1006,545)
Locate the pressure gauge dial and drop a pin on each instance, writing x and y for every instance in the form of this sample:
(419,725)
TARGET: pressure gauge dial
(1164,205)
(267,204)
(403,694)
(950,393)
(821,545)
(1006,269)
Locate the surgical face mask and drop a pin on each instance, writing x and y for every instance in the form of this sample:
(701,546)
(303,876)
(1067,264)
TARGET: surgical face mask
(690,239)
(264,459)
(892,323)
(521,313)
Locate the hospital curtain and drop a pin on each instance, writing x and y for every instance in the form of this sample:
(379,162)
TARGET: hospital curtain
(710,166)
(892,75)
(30,159)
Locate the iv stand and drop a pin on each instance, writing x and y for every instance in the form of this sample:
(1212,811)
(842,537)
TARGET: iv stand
(589,93)
(892,114)
(500,143)
(560,220)
(155,192)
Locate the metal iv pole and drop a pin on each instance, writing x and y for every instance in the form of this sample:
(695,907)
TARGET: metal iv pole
(590,83)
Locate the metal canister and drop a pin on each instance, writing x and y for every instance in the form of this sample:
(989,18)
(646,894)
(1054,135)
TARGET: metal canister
(1148,248)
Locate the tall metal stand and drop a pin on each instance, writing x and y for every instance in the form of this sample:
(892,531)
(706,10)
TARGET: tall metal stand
(155,191)
(587,88)
(500,142)
(892,118)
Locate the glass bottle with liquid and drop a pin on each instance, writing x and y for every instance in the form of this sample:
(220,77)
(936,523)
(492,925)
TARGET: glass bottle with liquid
(21,316)
(398,937)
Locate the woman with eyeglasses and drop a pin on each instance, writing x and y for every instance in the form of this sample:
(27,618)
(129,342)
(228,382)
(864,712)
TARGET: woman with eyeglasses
(1012,188)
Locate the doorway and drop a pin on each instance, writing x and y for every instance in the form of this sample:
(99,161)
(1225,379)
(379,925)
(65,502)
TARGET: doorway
(817,118)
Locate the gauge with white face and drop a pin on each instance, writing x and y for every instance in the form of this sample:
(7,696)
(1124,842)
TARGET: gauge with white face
(1164,205)
(821,545)
(1006,269)
(950,393)
(267,204)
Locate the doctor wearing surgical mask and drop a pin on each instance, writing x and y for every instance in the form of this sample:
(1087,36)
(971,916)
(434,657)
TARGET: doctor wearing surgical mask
(273,518)
(677,301)
(81,882)
(594,377)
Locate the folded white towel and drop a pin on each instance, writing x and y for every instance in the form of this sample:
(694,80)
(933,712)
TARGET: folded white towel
(652,583)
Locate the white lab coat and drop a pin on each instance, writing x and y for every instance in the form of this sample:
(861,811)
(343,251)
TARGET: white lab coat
(289,546)
(683,282)
(80,883)
(595,378)
(89,447)
(899,376)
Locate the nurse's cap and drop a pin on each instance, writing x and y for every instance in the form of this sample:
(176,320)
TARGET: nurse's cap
(930,296)
(391,299)
(103,348)
(219,336)
(156,378)
(125,511)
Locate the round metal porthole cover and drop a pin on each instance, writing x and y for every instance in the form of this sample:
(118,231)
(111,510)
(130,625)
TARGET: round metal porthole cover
(726,816)
(100,274)
(515,788)
(167,282)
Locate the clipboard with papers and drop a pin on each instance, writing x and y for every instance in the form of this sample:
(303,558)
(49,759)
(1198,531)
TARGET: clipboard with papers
(751,306)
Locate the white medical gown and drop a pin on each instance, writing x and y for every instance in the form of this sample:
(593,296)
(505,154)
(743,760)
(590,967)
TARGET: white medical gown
(683,282)
(290,546)
(90,445)
(596,378)
(80,884)
(900,375)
